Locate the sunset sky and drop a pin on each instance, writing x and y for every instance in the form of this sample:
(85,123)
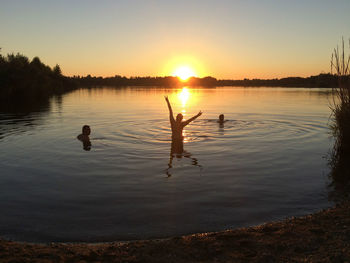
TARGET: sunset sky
(224,39)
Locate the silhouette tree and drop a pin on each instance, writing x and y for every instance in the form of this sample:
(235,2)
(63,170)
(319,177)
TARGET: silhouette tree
(27,81)
(57,70)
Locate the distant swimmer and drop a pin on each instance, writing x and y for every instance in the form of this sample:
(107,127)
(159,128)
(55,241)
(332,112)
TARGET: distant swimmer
(221,119)
(178,125)
(84,137)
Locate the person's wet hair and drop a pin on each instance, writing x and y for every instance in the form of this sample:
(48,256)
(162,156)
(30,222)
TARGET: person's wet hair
(179,117)
(86,130)
(221,117)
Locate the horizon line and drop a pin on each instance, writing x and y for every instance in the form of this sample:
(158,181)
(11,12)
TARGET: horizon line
(194,77)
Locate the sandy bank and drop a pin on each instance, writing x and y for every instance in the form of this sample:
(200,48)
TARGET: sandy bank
(320,237)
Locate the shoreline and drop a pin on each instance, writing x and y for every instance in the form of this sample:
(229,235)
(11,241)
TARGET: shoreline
(323,236)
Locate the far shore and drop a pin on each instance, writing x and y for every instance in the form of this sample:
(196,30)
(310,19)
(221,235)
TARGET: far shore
(320,237)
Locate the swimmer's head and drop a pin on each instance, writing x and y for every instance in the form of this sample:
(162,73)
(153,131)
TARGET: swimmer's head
(221,117)
(179,117)
(86,130)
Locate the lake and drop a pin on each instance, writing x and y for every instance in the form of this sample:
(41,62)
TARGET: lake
(267,162)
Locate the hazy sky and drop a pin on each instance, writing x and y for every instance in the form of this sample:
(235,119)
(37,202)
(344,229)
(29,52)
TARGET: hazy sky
(225,39)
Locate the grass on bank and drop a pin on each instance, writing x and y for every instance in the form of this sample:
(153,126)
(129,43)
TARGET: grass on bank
(340,107)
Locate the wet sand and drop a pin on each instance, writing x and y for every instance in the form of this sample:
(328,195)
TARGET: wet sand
(320,237)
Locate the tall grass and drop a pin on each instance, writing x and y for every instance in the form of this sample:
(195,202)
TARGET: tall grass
(341,97)
(340,158)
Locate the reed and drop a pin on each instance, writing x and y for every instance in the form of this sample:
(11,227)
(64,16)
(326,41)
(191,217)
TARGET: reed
(340,126)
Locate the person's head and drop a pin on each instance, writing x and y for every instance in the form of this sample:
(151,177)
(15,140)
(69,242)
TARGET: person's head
(86,130)
(179,117)
(221,117)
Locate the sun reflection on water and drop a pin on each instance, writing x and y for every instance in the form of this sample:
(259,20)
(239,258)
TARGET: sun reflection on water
(184,95)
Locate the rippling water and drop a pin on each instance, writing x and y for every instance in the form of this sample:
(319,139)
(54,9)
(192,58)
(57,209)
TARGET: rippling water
(266,162)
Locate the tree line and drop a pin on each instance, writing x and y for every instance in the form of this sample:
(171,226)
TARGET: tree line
(321,81)
(25,79)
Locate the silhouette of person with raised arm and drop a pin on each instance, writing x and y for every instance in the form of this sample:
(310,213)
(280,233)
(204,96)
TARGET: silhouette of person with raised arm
(84,137)
(177,126)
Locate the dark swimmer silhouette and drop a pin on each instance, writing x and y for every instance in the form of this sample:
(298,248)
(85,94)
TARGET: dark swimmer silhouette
(221,120)
(177,145)
(84,137)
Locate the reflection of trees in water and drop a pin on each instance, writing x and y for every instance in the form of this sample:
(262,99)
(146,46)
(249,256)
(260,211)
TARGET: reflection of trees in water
(22,115)
(24,106)
(58,100)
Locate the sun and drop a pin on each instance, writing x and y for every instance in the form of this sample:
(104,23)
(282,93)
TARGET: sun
(184,73)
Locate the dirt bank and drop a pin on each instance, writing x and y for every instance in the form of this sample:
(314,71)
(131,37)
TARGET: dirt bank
(320,237)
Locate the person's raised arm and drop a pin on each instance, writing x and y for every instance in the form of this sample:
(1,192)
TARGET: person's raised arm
(191,119)
(171,116)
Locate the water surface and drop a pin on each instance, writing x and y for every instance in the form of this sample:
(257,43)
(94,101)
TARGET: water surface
(267,162)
